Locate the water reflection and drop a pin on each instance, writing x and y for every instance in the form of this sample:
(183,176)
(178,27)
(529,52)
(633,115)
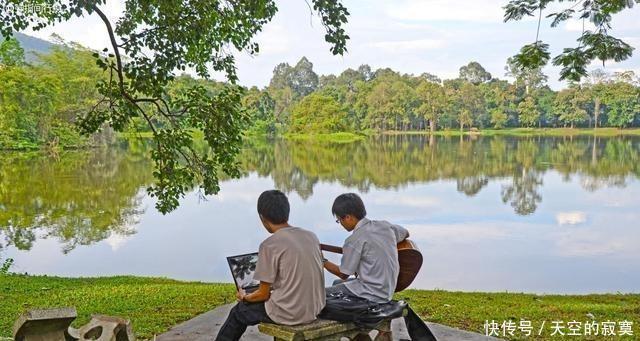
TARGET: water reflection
(540,214)
(75,197)
(394,162)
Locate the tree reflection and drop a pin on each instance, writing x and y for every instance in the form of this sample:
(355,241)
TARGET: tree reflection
(76,197)
(393,162)
(81,197)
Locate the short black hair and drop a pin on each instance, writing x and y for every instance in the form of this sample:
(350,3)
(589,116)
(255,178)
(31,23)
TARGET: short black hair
(273,206)
(348,203)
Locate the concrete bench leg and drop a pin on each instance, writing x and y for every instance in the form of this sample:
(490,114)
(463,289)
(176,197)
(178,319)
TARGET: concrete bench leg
(104,328)
(384,331)
(44,325)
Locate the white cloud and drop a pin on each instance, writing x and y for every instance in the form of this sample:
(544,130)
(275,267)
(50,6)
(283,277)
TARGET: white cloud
(116,241)
(409,45)
(592,243)
(407,201)
(571,218)
(474,11)
(464,233)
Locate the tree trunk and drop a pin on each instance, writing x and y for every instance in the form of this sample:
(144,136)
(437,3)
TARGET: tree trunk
(432,126)
(596,113)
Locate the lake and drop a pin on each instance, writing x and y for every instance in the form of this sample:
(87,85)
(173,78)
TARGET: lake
(524,214)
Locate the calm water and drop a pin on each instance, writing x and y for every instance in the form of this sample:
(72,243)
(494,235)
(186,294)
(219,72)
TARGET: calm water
(557,215)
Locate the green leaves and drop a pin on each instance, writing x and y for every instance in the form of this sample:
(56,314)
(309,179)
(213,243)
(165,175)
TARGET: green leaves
(532,56)
(574,64)
(605,47)
(561,16)
(11,53)
(334,16)
(574,61)
(518,9)
(592,45)
(151,42)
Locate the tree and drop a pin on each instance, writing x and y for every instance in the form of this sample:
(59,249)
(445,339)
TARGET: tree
(623,103)
(11,53)
(260,106)
(498,118)
(595,85)
(530,78)
(391,102)
(432,102)
(303,80)
(528,112)
(469,105)
(317,113)
(627,77)
(569,107)
(592,45)
(474,73)
(281,76)
(152,41)
(431,78)
(365,71)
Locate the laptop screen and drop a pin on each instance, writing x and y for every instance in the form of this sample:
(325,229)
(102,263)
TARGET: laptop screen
(242,269)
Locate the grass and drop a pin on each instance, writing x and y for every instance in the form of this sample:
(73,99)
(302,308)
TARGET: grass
(152,304)
(343,137)
(155,304)
(470,310)
(528,132)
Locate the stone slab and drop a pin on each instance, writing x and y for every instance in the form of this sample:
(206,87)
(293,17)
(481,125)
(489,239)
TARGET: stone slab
(205,327)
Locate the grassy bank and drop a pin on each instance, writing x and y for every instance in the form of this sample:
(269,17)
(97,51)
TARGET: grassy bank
(156,304)
(528,132)
(333,137)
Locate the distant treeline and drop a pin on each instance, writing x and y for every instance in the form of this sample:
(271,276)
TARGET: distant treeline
(298,100)
(41,101)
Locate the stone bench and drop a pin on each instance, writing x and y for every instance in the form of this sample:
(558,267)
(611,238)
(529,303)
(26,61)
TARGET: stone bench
(325,330)
(54,325)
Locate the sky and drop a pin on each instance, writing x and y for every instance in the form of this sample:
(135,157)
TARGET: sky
(409,36)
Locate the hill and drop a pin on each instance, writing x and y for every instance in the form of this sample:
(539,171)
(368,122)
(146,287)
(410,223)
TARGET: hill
(33,45)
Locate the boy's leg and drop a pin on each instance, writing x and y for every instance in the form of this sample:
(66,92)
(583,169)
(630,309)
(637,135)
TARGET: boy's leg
(242,315)
(339,286)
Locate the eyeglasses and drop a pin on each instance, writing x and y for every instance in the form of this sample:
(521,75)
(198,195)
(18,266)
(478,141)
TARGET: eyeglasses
(338,220)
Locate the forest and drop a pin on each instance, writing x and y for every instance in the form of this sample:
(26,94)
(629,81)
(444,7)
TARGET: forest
(42,101)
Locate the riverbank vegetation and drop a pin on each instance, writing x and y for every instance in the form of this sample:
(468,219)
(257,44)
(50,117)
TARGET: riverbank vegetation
(156,304)
(299,100)
(41,102)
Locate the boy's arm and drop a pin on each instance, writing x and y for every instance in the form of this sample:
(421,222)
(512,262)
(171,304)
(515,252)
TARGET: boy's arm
(262,294)
(348,264)
(334,269)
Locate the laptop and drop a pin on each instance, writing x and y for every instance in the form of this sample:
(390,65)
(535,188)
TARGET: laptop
(242,269)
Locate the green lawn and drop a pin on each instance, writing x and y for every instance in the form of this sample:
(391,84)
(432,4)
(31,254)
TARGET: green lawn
(156,304)
(152,304)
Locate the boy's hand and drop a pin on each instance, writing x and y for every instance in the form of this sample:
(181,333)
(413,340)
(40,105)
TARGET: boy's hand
(240,295)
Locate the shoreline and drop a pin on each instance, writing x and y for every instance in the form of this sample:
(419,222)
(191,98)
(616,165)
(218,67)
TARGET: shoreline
(349,137)
(155,304)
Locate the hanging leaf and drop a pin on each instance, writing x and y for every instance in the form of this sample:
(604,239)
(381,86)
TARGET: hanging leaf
(574,63)
(532,56)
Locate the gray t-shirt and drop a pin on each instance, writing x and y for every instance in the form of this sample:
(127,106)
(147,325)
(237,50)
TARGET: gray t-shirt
(290,259)
(371,252)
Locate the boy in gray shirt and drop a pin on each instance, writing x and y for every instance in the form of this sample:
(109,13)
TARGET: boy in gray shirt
(289,270)
(370,252)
